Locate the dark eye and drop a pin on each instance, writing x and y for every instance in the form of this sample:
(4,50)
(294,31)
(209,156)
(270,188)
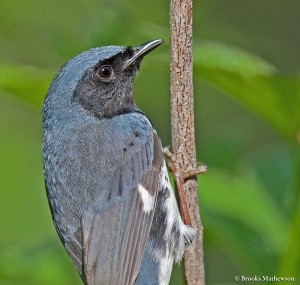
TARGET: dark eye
(104,71)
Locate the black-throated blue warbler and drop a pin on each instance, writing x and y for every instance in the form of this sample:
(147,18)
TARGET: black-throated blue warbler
(106,179)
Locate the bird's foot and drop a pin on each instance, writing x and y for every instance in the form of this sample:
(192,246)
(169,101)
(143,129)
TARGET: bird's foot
(179,177)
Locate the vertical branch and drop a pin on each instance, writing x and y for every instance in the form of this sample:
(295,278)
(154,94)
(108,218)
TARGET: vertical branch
(183,132)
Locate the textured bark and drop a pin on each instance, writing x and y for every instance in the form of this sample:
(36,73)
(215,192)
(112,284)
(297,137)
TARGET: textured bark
(183,132)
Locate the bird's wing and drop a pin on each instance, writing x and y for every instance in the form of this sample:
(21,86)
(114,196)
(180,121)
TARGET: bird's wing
(108,247)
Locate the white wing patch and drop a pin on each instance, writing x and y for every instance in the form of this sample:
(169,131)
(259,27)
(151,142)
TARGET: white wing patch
(148,200)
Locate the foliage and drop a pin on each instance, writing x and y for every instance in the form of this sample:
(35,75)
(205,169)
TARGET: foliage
(247,118)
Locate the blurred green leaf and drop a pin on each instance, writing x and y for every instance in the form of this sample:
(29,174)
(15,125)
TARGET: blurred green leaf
(238,207)
(39,263)
(253,82)
(27,82)
(216,55)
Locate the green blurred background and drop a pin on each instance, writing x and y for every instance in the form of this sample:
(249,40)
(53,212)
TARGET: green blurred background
(247,112)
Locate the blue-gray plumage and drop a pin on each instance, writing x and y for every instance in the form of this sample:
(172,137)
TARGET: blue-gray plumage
(107,183)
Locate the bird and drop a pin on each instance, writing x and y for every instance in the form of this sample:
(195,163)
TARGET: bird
(106,179)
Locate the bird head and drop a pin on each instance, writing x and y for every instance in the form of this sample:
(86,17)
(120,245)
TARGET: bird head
(99,80)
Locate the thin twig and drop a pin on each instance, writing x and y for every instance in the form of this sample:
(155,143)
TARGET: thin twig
(183,133)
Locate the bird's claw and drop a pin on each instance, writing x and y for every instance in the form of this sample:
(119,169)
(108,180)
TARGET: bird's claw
(174,166)
(179,178)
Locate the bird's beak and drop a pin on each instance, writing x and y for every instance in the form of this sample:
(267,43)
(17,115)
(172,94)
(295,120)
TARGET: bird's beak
(141,50)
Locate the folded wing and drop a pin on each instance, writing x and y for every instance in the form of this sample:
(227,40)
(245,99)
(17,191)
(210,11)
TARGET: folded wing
(108,247)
